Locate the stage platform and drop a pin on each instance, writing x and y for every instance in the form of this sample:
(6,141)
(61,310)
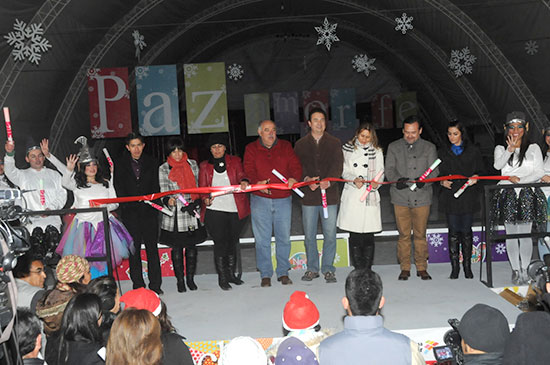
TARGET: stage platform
(417,308)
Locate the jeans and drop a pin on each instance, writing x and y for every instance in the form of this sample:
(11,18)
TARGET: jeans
(310,217)
(460,222)
(270,215)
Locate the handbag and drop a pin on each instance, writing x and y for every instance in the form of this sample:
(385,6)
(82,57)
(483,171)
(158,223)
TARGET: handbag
(196,236)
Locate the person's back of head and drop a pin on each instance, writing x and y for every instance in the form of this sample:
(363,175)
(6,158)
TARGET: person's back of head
(134,339)
(363,293)
(300,313)
(529,342)
(483,329)
(28,329)
(243,350)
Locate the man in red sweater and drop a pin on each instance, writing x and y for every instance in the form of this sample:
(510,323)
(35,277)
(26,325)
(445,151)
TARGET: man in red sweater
(271,210)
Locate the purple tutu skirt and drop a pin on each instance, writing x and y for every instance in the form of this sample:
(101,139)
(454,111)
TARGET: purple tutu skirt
(82,239)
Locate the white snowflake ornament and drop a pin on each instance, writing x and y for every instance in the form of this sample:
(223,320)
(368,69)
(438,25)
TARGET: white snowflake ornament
(27,41)
(190,70)
(500,248)
(404,23)
(327,34)
(462,61)
(142,71)
(139,43)
(362,63)
(531,47)
(235,72)
(435,239)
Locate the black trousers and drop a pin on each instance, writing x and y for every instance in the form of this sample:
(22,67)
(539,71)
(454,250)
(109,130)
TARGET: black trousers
(149,238)
(225,229)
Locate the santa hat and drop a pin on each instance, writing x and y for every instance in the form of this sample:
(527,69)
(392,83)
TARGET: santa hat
(300,312)
(142,298)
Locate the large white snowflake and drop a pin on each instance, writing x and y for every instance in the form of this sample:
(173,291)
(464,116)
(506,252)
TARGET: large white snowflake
(97,133)
(435,239)
(500,248)
(361,63)
(531,47)
(235,72)
(404,23)
(327,34)
(139,43)
(475,239)
(462,61)
(27,41)
(190,70)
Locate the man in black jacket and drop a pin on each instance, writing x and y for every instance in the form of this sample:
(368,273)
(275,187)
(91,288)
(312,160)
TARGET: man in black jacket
(137,174)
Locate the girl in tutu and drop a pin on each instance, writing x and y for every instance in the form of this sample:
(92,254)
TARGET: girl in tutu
(85,235)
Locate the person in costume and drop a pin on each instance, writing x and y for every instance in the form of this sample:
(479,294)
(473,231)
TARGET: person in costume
(183,229)
(459,157)
(363,160)
(224,215)
(85,236)
(543,247)
(521,160)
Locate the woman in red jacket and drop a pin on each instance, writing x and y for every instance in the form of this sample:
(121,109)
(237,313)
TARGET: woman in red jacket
(224,215)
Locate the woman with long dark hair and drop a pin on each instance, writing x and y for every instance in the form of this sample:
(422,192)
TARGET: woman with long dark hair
(363,160)
(106,289)
(459,157)
(225,215)
(80,337)
(522,161)
(182,230)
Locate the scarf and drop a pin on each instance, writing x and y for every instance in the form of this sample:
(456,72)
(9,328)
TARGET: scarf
(218,163)
(182,174)
(457,150)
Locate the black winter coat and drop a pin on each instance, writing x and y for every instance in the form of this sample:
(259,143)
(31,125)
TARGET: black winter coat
(467,164)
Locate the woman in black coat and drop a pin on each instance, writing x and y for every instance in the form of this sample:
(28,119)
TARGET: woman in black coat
(459,157)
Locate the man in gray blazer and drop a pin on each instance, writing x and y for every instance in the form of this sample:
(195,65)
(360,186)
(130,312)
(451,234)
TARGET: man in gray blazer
(407,159)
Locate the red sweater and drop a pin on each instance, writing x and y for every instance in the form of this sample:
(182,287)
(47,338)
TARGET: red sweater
(259,161)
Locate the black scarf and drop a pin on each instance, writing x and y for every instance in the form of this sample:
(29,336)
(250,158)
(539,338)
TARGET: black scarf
(219,163)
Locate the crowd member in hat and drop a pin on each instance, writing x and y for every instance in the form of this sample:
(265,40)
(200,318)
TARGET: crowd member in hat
(137,175)
(224,215)
(364,335)
(135,339)
(80,337)
(106,289)
(85,236)
(271,210)
(29,337)
(243,350)
(175,350)
(292,351)
(43,188)
(73,274)
(522,161)
(529,341)
(459,157)
(407,159)
(321,157)
(29,277)
(182,230)
(545,227)
(484,331)
(363,160)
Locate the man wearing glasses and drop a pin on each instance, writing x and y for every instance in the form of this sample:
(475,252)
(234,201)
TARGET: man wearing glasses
(29,277)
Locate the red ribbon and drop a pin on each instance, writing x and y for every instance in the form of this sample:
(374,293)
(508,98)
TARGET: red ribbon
(278,186)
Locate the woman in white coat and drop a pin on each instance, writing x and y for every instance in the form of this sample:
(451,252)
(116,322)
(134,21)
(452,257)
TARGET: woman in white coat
(363,160)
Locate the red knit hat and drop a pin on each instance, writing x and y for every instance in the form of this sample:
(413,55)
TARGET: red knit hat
(142,298)
(300,312)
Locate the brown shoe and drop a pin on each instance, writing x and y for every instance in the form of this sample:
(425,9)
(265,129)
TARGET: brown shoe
(285,280)
(265,282)
(404,275)
(423,275)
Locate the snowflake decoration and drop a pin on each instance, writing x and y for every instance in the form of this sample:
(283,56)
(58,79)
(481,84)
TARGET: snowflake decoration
(139,43)
(327,34)
(435,239)
(531,47)
(462,61)
(97,133)
(235,72)
(92,73)
(306,94)
(361,63)
(190,70)
(175,91)
(142,72)
(500,248)
(27,41)
(404,23)
(127,93)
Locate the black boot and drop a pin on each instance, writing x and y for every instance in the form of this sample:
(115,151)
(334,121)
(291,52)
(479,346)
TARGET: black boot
(357,255)
(368,251)
(454,241)
(190,267)
(177,263)
(231,263)
(467,254)
(222,270)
